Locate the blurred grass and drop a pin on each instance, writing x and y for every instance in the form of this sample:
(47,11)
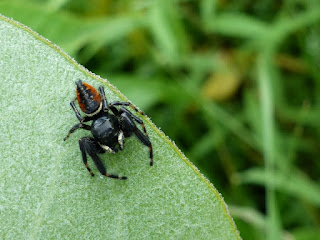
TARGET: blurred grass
(236,84)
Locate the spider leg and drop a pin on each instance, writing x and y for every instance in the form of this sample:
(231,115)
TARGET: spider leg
(78,115)
(104,99)
(127,104)
(146,141)
(121,139)
(122,110)
(128,127)
(82,145)
(88,145)
(108,149)
(75,127)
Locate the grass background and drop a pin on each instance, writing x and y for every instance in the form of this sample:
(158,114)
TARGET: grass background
(236,84)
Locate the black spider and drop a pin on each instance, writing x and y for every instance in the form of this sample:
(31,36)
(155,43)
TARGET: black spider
(108,128)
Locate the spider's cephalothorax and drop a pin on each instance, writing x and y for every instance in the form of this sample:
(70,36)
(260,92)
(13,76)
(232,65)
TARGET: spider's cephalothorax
(111,123)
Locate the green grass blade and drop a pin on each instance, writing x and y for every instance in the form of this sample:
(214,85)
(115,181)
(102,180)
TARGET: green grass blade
(294,183)
(268,139)
(168,31)
(237,25)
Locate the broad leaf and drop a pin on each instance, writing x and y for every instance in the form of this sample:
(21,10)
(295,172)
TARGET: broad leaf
(45,190)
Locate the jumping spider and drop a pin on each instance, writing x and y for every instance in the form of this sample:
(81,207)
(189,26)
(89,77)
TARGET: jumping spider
(110,126)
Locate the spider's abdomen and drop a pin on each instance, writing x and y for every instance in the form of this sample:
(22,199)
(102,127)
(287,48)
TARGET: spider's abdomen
(106,129)
(88,98)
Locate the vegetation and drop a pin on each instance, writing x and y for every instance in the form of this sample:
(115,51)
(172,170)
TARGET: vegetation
(236,85)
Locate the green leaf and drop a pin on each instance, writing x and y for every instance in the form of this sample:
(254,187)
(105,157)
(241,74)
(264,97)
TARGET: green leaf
(45,190)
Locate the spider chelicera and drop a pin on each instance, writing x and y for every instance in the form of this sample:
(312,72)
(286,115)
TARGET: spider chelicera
(111,124)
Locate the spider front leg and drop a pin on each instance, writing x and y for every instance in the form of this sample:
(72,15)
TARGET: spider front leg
(90,146)
(104,99)
(129,127)
(75,127)
(126,104)
(78,115)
